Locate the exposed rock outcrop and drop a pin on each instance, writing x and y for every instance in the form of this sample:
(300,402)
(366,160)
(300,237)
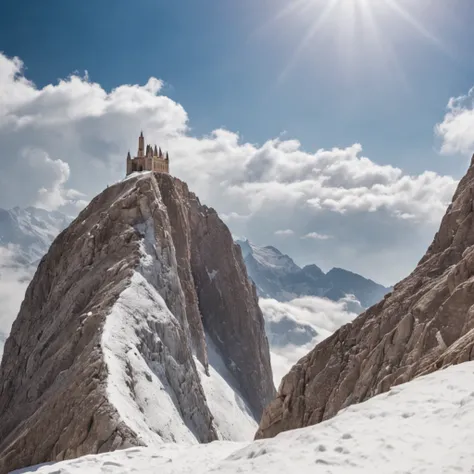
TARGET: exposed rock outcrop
(111,345)
(425,324)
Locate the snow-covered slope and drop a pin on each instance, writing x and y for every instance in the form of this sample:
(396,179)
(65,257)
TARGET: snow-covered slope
(139,327)
(277,276)
(233,418)
(151,408)
(424,426)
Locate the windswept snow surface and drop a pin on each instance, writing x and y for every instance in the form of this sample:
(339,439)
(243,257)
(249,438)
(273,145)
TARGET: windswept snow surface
(169,458)
(142,396)
(424,426)
(136,174)
(232,416)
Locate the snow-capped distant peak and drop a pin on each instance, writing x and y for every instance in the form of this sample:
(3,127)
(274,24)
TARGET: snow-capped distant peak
(31,230)
(271,258)
(277,276)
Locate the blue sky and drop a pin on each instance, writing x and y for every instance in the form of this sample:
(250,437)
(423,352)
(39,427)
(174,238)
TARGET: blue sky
(379,73)
(223,60)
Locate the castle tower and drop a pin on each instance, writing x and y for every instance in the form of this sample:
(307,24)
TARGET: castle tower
(141,146)
(149,158)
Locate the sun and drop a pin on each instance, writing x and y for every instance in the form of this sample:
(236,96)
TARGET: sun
(351,19)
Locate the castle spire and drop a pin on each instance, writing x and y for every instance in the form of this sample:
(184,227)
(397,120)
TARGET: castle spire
(141,145)
(161,153)
(156,151)
(167,157)
(128,155)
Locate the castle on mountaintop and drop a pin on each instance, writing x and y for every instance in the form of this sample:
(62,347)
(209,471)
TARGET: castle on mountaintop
(151,159)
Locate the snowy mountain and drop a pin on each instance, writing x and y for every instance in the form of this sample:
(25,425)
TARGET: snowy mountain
(139,327)
(419,427)
(30,231)
(277,276)
(25,236)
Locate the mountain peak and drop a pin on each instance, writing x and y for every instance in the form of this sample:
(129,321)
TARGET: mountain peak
(274,250)
(131,310)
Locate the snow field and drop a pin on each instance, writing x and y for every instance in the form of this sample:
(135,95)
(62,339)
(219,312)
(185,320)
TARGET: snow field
(424,426)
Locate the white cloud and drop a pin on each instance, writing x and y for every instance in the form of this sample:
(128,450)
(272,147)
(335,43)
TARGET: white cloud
(71,137)
(81,134)
(54,176)
(295,327)
(284,233)
(457,128)
(316,236)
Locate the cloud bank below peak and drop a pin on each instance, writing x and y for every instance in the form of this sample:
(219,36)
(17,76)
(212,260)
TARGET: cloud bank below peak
(295,327)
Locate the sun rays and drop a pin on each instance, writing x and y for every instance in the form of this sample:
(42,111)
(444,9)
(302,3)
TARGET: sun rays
(357,26)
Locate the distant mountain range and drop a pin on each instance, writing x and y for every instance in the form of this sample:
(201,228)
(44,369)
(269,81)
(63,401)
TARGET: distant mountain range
(277,276)
(29,232)
(25,236)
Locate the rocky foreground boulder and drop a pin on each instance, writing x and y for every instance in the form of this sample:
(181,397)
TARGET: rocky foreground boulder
(139,327)
(425,324)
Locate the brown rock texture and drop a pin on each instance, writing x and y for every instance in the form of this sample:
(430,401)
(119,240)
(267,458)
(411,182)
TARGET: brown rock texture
(54,397)
(425,324)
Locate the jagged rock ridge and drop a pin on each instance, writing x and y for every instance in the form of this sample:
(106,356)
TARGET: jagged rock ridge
(425,324)
(139,324)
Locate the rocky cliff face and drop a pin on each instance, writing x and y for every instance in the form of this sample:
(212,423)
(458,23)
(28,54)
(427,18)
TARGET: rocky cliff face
(425,324)
(140,326)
